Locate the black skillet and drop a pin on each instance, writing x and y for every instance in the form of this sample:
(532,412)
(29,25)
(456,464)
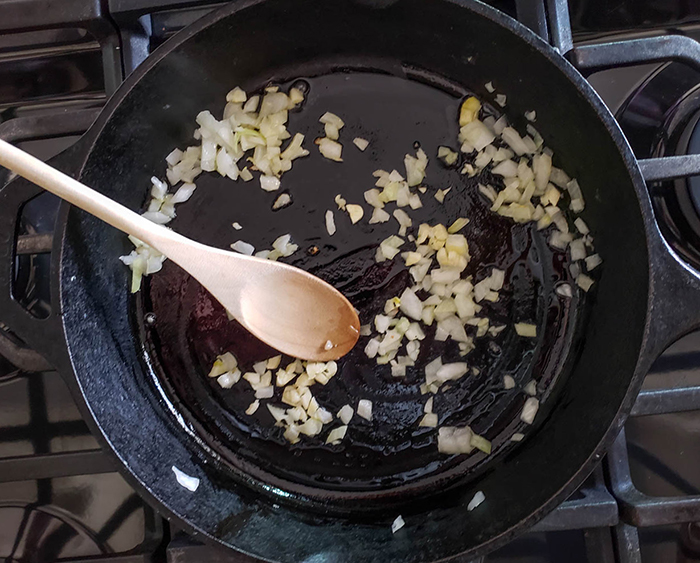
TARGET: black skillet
(395,72)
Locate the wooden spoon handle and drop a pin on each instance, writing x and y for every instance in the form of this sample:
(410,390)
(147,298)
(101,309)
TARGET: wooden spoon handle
(81,196)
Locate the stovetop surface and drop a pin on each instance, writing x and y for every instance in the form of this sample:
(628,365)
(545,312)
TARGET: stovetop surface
(61,498)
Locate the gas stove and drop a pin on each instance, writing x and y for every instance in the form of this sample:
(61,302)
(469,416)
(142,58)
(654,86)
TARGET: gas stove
(61,497)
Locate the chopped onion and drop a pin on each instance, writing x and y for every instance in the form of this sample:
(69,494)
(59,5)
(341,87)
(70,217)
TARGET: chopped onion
(477,135)
(449,372)
(252,407)
(560,240)
(531,115)
(331,131)
(498,127)
(336,435)
(379,216)
(411,305)
(330,222)
(360,143)
(469,110)
(517,437)
(222,364)
(373,198)
(542,166)
(345,414)
(269,183)
(364,409)
(330,149)
(355,212)
(397,524)
(489,192)
(187,481)
(440,194)
(282,201)
(453,440)
(415,167)
(506,168)
(458,225)
(414,201)
(593,261)
(531,388)
(174,157)
(332,119)
(489,87)
(577,249)
(274,362)
(265,392)
(514,141)
(447,155)
(229,379)
(564,290)
(575,269)
(477,499)
(584,282)
(429,419)
(508,382)
(284,246)
(390,247)
(529,410)
(183,193)
(481,443)
(581,226)
(526,329)
(403,219)
(243,247)
(372,348)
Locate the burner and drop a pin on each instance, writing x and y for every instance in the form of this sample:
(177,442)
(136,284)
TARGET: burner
(662,118)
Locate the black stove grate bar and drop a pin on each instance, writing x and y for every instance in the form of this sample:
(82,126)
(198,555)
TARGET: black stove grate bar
(600,56)
(560,26)
(637,508)
(23,15)
(63,123)
(627,546)
(596,509)
(34,244)
(533,14)
(664,401)
(24,359)
(49,466)
(670,167)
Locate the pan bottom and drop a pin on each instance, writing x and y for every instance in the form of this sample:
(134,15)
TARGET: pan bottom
(390,454)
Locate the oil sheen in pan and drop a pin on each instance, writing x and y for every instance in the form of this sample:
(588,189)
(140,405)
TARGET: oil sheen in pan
(391,451)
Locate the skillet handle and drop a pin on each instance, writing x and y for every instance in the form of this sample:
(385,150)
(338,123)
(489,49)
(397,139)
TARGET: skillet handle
(675,298)
(45,336)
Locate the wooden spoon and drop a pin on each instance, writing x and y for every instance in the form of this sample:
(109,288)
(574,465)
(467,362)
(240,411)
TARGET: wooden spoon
(288,308)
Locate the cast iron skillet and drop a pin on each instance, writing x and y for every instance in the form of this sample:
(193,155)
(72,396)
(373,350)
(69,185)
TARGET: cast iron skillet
(141,385)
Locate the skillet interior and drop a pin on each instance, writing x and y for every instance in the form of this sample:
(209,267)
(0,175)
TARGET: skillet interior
(469,50)
(391,452)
